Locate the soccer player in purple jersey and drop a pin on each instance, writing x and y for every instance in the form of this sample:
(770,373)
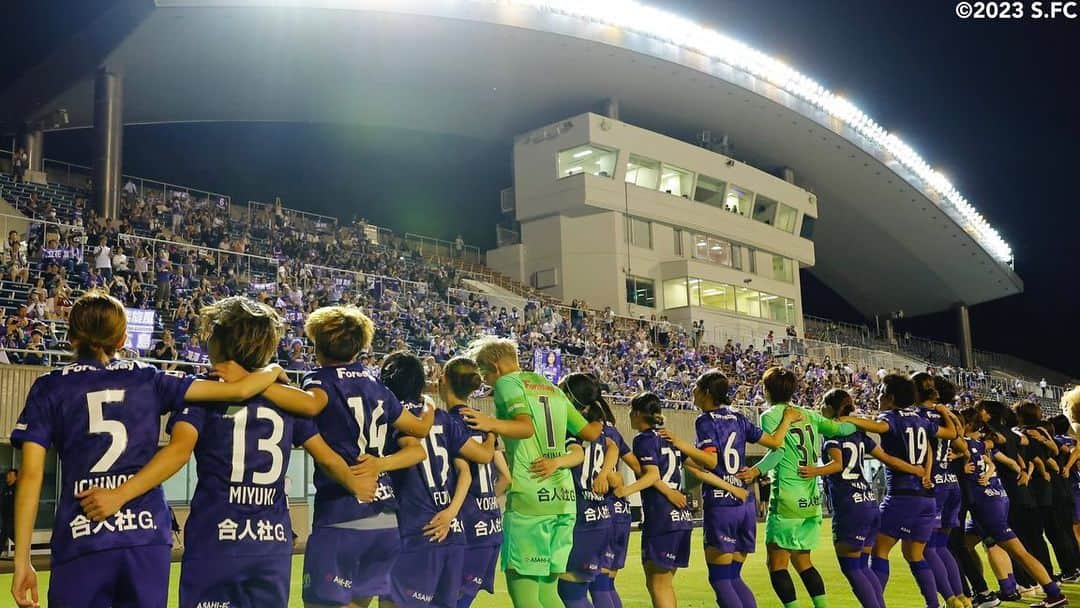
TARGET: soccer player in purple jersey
(238,536)
(480,515)
(909,511)
(667,524)
(353,545)
(103,417)
(855,510)
(730,522)
(990,507)
(1070,470)
(589,463)
(946,492)
(615,559)
(431,494)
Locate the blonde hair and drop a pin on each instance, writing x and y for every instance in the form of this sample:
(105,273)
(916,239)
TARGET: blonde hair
(1070,405)
(97,324)
(241,330)
(339,333)
(486,351)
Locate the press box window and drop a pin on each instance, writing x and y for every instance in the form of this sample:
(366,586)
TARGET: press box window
(709,191)
(640,291)
(738,200)
(676,181)
(643,172)
(765,210)
(786,217)
(591,159)
(675,294)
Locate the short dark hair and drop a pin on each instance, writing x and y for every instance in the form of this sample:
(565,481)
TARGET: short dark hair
(900,388)
(925,389)
(780,384)
(714,384)
(648,406)
(833,403)
(1027,413)
(946,390)
(403,373)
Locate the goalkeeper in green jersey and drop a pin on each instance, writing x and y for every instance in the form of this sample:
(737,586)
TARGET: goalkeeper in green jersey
(793,525)
(534,419)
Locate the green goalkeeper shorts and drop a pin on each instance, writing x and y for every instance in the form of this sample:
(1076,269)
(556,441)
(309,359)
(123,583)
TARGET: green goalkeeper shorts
(792,534)
(537,545)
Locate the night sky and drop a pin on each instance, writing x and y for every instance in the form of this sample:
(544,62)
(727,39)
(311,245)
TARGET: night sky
(994,104)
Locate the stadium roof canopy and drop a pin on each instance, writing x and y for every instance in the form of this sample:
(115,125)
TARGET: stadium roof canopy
(893,234)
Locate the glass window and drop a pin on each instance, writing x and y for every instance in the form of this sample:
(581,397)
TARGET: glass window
(806,231)
(774,307)
(640,291)
(675,295)
(786,217)
(765,210)
(678,242)
(695,291)
(776,267)
(738,200)
(712,249)
(591,159)
(717,295)
(737,255)
(790,320)
(676,181)
(709,191)
(643,172)
(748,301)
(641,232)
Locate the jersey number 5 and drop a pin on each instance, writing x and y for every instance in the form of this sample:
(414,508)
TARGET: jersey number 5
(117,432)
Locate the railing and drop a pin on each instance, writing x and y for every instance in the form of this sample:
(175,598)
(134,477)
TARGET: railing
(437,248)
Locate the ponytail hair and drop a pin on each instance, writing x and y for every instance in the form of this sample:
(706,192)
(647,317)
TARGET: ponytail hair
(584,392)
(403,373)
(648,406)
(462,375)
(836,403)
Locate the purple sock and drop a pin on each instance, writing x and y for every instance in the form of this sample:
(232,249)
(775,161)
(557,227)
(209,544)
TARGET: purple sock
(859,578)
(746,596)
(602,590)
(941,576)
(1007,585)
(1052,590)
(952,567)
(880,567)
(574,594)
(924,577)
(720,577)
(872,577)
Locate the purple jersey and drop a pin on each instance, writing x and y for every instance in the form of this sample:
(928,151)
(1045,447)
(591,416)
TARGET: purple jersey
(943,474)
(977,491)
(1074,474)
(239,507)
(660,515)
(427,488)
(480,515)
(621,505)
(593,510)
(725,432)
(849,486)
(909,439)
(356,420)
(105,422)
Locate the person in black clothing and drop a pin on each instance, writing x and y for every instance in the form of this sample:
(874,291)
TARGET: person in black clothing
(7,509)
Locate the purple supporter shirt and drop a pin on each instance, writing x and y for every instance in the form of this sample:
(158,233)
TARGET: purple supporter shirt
(943,474)
(357,418)
(909,437)
(1074,474)
(725,432)
(621,505)
(239,507)
(104,422)
(849,486)
(660,515)
(427,488)
(480,514)
(593,510)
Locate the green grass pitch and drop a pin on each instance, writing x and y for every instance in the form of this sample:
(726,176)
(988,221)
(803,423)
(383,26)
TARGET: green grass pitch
(691,583)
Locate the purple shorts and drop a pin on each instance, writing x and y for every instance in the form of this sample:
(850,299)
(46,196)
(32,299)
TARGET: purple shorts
(342,564)
(428,576)
(1076,507)
(909,517)
(667,551)
(989,520)
(236,581)
(948,499)
(856,525)
(615,558)
(587,555)
(478,573)
(732,529)
(130,577)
